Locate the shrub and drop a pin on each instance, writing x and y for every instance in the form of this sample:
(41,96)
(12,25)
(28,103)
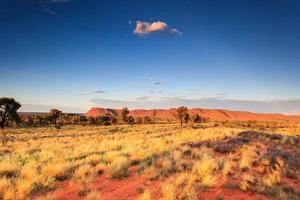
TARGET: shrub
(231,145)
(119,168)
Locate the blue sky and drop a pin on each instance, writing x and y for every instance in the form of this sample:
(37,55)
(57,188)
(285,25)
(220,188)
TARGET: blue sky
(74,54)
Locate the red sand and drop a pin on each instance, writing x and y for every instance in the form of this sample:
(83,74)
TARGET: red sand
(123,189)
(221,115)
(128,189)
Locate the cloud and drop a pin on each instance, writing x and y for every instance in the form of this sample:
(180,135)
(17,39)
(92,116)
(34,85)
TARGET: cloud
(157,82)
(290,106)
(51,12)
(98,92)
(91,92)
(143,98)
(46,5)
(152,80)
(146,28)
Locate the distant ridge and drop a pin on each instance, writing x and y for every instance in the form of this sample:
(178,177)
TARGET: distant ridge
(213,114)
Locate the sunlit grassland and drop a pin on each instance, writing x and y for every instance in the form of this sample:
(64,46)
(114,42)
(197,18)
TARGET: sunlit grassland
(37,159)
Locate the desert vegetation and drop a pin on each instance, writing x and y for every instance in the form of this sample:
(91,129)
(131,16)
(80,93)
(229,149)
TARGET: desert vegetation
(160,162)
(110,158)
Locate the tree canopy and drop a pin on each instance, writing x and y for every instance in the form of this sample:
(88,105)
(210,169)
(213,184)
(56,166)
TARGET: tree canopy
(8,110)
(180,113)
(54,114)
(124,114)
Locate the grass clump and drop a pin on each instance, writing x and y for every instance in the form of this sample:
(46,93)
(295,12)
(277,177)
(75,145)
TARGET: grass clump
(8,169)
(247,181)
(274,175)
(188,188)
(119,168)
(227,168)
(203,170)
(84,176)
(248,157)
(4,187)
(168,192)
(59,171)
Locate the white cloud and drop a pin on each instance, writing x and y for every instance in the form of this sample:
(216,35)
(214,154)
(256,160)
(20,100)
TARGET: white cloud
(145,28)
(91,92)
(153,80)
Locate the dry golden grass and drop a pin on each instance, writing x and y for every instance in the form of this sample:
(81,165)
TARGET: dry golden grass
(118,168)
(248,157)
(227,168)
(275,174)
(168,192)
(145,196)
(39,158)
(204,169)
(189,190)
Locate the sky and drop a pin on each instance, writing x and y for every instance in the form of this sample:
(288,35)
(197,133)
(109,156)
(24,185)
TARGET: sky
(77,54)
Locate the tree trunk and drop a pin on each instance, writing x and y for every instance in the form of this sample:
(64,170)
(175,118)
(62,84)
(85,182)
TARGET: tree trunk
(181,121)
(3,135)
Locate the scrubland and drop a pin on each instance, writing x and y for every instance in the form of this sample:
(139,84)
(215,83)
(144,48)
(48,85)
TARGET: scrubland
(165,161)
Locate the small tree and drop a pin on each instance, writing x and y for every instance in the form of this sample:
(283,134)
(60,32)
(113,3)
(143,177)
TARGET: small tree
(8,111)
(186,117)
(114,120)
(124,115)
(154,113)
(180,113)
(130,120)
(53,115)
(147,120)
(105,120)
(196,118)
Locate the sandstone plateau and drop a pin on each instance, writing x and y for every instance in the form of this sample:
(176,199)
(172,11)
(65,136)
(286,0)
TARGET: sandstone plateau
(213,114)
